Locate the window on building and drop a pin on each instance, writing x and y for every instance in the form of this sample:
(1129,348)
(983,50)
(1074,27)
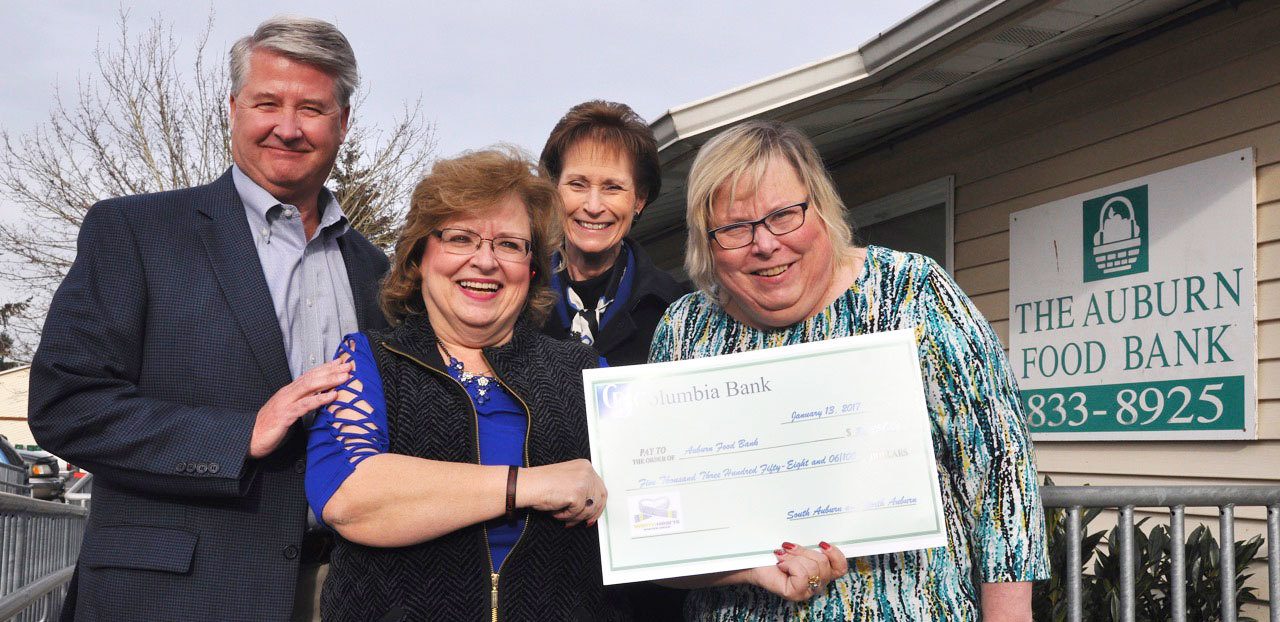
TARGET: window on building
(919,220)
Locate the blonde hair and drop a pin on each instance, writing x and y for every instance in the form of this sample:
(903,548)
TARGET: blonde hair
(746,150)
(469,185)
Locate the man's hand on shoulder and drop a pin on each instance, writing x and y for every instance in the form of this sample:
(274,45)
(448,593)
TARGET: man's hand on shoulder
(311,390)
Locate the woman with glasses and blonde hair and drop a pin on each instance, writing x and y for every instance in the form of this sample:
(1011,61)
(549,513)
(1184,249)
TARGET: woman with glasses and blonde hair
(775,264)
(452,464)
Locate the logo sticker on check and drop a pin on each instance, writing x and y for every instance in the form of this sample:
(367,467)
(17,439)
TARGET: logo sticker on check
(613,400)
(655,514)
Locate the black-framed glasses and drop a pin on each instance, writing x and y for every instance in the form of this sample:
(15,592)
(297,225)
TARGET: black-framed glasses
(467,242)
(781,221)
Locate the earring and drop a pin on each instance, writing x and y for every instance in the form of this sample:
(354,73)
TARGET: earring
(533,273)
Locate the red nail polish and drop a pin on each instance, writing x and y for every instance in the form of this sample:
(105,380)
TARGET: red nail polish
(825,546)
(788,546)
(779,552)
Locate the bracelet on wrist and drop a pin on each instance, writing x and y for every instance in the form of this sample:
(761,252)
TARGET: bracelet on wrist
(512,471)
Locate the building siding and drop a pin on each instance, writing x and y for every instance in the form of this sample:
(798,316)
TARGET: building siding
(13,406)
(1196,90)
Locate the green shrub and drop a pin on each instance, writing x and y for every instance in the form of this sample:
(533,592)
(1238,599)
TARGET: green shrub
(1100,587)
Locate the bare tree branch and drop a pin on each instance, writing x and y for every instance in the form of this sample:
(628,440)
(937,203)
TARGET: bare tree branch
(142,122)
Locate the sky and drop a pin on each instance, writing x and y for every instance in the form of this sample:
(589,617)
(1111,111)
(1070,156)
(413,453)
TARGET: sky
(485,71)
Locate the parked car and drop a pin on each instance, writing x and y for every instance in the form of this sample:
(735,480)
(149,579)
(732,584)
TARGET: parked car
(14,477)
(9,455)
(45,476)
(72,472)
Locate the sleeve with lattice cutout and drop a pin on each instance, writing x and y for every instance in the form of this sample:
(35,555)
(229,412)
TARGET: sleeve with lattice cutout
(350,429)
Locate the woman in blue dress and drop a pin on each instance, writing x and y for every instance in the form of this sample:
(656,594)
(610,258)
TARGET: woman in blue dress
(452,465)
(773,258)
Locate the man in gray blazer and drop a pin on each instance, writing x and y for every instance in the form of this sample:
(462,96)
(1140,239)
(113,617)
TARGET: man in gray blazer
(188,342)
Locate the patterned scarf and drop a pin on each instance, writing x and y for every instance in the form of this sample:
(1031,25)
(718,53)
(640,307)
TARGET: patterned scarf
(584,322)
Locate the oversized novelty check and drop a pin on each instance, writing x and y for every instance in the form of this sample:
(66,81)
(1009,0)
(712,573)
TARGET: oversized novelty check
(712,463)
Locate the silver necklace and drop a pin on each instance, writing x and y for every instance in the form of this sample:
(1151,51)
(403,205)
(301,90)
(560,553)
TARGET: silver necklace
(477,385)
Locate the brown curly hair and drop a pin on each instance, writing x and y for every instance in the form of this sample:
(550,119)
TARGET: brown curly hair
(466,186)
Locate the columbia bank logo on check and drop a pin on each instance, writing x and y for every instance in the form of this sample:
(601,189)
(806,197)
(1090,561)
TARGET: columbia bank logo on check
(619,399)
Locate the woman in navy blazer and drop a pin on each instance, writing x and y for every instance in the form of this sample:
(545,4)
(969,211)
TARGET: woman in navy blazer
(604,161)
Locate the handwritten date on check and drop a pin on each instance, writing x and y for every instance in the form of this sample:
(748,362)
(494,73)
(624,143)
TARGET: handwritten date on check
(710,463)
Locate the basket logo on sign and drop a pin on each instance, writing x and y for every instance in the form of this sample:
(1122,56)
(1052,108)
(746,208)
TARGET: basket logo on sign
(1115,234)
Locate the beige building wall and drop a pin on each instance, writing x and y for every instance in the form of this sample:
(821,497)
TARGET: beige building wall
(1198,89)
(13,406)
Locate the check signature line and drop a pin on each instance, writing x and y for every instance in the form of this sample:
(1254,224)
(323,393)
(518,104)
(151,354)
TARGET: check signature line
(725,479)
(875,509)
(823,515)
(743,451)
(821,418)
(679,533)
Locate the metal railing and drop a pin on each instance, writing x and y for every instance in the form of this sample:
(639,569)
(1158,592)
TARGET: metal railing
(39,544)
(40,541)
(13,479)
(1176,499)
(81,492)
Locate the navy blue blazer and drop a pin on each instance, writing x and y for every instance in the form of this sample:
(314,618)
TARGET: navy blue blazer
(159,348)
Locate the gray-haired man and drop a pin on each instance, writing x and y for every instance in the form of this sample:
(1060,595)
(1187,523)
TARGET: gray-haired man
(188,341)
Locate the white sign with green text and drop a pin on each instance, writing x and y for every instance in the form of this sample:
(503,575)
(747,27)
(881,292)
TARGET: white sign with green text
(1132,308)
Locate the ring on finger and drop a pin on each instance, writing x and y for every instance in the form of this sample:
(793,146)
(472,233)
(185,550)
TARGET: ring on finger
(815,582)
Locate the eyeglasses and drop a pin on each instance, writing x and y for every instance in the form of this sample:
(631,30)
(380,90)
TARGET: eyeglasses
(466,242)
(779,222)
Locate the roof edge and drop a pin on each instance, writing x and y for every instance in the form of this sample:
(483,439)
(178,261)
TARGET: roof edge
(928,25)
(757,97)
(14,370)
(892,48)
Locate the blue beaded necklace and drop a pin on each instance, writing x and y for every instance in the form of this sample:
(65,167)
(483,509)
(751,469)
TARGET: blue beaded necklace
(477,385)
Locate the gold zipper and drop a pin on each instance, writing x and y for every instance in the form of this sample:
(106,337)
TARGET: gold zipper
(475,419)
(493,596)
(524,460)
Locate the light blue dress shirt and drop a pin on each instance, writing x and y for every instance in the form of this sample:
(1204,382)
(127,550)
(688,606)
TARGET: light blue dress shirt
(307,278)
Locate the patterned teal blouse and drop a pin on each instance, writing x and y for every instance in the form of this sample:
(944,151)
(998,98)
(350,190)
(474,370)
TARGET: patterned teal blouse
(986,470)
